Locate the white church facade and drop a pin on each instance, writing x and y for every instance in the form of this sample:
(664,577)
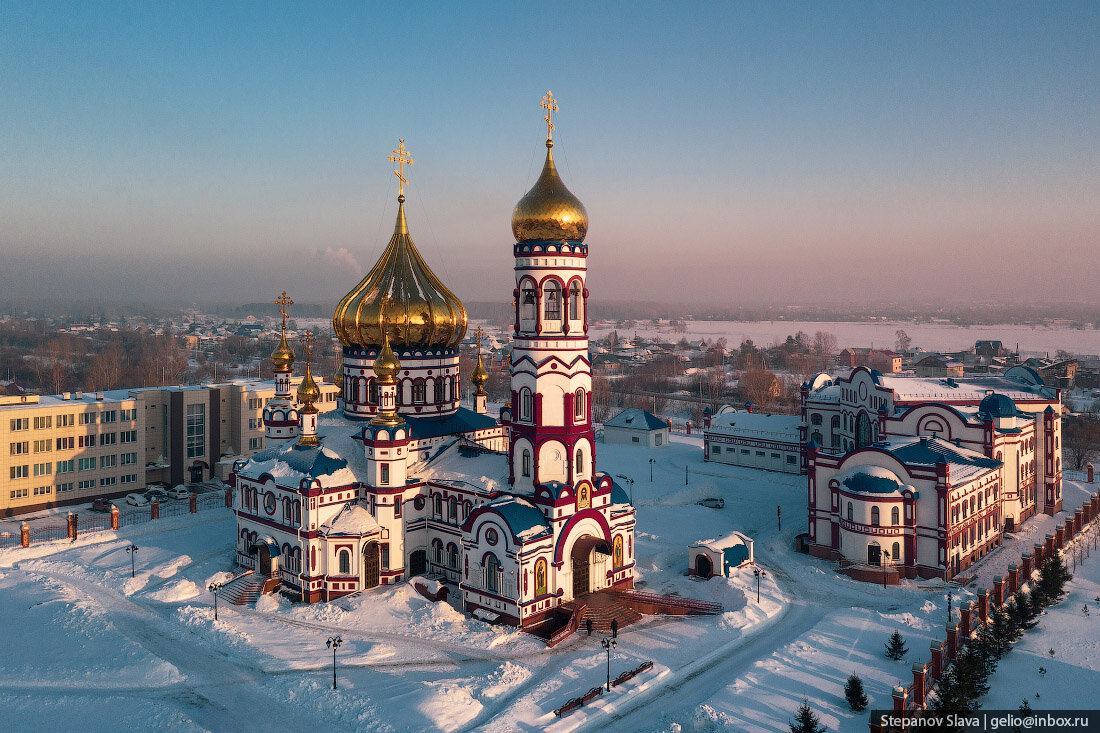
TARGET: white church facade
(402,480)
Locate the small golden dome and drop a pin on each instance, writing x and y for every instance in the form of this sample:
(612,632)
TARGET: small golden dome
(282,358)
(480,376)
(386,364)
(402,296)
(308,391)
(549,211)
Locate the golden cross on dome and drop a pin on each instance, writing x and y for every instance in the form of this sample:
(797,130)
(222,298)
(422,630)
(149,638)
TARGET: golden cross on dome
(308,340)
(551,106)
(283,301)
(401,157)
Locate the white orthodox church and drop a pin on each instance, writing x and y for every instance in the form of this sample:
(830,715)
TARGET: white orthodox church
(401,480)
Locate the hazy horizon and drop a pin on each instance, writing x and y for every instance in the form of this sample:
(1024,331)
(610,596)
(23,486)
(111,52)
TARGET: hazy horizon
(733,154)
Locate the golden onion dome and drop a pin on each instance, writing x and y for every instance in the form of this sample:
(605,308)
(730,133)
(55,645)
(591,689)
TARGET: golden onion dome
(308,391)
(386,364)
(402,296)
(480,376)
(282,358)
(549,211)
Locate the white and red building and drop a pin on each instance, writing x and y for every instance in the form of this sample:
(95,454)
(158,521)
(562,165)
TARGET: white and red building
(401,480)
(939,467)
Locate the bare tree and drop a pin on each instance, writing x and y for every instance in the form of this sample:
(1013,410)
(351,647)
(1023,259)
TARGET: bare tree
(1081,440)
(105,369)
(824,349)
(903,341)
(761,387)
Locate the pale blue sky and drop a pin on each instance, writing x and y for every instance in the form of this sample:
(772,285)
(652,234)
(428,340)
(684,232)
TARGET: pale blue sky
(771,151)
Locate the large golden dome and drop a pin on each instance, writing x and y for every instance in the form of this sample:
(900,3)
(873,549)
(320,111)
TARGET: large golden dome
(282,358)
(403,296)
(549,211)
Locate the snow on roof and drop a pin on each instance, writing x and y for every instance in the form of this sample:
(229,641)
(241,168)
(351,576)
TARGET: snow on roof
(635,418)
(487,472)
(871,480)
(523,518)
(971,388)
(291,463)
(742,422)
(353,519)
(722,543)
(965,464)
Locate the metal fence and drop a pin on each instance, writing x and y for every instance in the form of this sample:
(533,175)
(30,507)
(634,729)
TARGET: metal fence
(10,539)
(175,508)
(47,534)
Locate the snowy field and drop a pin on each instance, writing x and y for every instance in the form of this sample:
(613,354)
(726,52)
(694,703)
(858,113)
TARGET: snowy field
(882,335)
(91,648)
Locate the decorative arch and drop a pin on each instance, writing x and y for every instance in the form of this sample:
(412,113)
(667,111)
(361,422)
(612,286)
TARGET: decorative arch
(589,519)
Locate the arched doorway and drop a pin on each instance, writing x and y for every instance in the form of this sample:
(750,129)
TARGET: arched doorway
(372,565)
(874,554)
(704,568)
(582,558)
(261,551)
(418,562)
(863,431)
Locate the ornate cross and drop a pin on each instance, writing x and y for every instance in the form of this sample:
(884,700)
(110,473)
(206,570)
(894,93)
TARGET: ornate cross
(551,106)
(308,340)
(401,157)
(283,301)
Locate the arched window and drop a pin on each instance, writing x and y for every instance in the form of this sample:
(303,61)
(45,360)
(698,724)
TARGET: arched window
(345,562)
(540,578)
(372,391)
(815,419)
(617,552)
(526,408)
(419,392)
(894,514)
(578,465)
(574,300)
(437,552)
(286,510)
(552,301)
(895,552)
(452,509)
(437,505)
(578,404)
(452,556)
(528,310)
(297,512)
(836,422)
(874,516)
(492,574)
(849,511)
(526,462)
(439,390)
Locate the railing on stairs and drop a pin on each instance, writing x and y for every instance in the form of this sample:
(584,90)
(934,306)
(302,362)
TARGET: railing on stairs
(653,603)
(579,609)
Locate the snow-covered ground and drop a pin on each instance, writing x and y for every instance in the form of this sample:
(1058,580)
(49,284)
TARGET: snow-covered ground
(89,647)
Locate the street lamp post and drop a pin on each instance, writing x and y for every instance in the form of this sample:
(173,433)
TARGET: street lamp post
(779,517)
(629,483)
(131,549)
(950,598)
(651,462)
(685,475)
(759,574)
(608,642)
(334,643)
(214,588)
(885,562)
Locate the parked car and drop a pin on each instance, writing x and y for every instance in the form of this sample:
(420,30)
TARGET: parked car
(178,492)
(156,495)
(136,499)
(713,503)
(101,505)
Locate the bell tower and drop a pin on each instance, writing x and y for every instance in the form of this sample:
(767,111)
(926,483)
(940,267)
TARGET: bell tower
(280,413)
(551,437)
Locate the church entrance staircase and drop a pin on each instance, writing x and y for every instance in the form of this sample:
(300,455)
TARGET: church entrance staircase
(622,606)
(243,590)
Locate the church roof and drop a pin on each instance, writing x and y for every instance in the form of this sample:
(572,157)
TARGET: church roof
(294,462)
(463,420)
(871,480)
(523,518)
(353,519)
(965,464)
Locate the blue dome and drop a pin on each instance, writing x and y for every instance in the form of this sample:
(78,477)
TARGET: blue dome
(998,405)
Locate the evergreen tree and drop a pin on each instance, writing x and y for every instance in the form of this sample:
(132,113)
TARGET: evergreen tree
(895,647)
(806,720)
(1020,609)
(973,666)
(1025,706)
(1052,580)
(950,697)
(853,693)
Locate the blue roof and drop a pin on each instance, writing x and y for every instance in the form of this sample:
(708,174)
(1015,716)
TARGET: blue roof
(522,517)
(872,480)
(735,556)
(462,421)
(637,419)
(308,459)
(618,495)
(934,450)
(997,405)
